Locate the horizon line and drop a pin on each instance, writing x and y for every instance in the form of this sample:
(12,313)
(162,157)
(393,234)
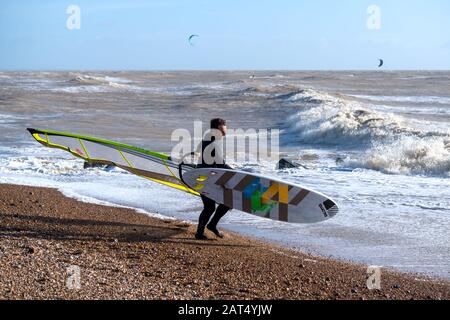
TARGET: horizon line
(219,70)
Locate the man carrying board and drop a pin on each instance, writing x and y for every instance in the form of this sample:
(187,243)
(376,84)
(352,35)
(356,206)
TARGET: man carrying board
(212,157)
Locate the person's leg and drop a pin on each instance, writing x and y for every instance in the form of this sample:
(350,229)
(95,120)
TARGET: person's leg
(208,209)
(212,225)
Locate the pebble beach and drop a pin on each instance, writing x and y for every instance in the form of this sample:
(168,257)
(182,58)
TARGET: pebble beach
(122,254)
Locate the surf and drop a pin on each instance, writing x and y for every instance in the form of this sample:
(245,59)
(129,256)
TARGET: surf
(385,141)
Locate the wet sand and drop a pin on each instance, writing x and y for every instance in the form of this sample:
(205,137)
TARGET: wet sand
(122,254)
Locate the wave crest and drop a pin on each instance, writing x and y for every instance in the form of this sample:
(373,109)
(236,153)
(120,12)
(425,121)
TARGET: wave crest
(333,120)
(390,142)
(87,80)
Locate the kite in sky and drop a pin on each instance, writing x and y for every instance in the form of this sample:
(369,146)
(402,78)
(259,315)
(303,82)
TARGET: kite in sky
(191,37)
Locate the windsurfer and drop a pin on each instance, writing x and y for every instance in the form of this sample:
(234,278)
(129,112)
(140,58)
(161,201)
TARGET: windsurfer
(212,156)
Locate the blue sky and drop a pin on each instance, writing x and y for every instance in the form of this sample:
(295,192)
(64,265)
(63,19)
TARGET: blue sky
(245,34)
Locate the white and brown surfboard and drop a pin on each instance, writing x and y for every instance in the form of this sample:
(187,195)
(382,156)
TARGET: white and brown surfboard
(261,195)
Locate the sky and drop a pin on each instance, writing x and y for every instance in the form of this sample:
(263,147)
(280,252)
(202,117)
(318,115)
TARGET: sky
(233,35)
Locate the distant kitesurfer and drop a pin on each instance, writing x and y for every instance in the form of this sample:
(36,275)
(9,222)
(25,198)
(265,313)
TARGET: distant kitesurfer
(212,157)
(191,37)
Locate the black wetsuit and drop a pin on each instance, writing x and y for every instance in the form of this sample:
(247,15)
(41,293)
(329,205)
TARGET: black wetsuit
(210,205)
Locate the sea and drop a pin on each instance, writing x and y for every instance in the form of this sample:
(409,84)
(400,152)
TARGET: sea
(377,142)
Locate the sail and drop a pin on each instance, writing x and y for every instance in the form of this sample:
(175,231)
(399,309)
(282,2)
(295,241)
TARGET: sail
(151,165)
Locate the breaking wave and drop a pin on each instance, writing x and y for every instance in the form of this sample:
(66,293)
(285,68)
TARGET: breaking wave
(408,99)
(389,143)
(408,155)
(88,83)
(333,120)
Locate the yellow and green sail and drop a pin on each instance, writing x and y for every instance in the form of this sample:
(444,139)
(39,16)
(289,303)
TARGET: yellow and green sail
(154,166)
